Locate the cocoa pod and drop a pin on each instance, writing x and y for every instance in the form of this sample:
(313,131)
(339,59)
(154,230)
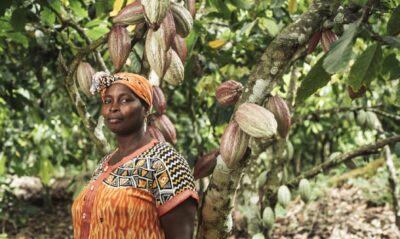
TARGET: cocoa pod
(372,121)
(205,165)
(256,121)
(268,217)
(281,112)
(84,75)
(258,236)
(233,145)
(228,92)
(191,6)
(166,32)
(155,133)
(327,39)
(153,78)
(175,72)
(262,179)
(313,42)
(119,46)
(179,45)
(356,94)
(159,102)
(305,190)
(164,124)
(361,118)
(131,14)
(183,19)
(155,11)
(350,116)
(284,196)
(158,58)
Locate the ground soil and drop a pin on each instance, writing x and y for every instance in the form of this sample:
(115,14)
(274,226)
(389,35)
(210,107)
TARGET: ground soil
(342,213)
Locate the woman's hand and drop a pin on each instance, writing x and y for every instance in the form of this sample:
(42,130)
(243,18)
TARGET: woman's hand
(179,222)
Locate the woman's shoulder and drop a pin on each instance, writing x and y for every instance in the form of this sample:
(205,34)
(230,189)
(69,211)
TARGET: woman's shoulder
(162,150)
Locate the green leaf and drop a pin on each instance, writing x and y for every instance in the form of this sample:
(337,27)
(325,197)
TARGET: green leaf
(46,170)
(20,38)
(341,51)
(2,164)
(47,16)
(393,25)
(315,79)
(391,66)
(18,19)
(78,9)
(366,67)
(96,32)
(243,4)
(392,41)
(221,7)
(246,29)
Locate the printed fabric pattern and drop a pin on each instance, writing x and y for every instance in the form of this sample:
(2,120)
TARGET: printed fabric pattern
(161,170)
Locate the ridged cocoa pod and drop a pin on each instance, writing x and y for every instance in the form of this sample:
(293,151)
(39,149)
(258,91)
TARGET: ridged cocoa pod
(166,32)
(281,112)
(356,94)
(159,102)
(155,11)
(155,133)
(131,14)
(313,42)
(234,144)
(119,46)
(327,39)
(84,75)
(164,124)
(191,6)
(228,92)
(159,59)
(256,121)
(206,164)
(183,19)
(179,45)
(175,72)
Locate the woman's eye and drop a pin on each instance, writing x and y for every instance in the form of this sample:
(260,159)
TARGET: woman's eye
(124,100)
(107,101)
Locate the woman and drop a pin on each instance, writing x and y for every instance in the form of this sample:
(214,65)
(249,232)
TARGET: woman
(144,189)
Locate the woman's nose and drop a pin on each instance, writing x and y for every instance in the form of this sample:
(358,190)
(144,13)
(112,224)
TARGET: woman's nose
(114,108)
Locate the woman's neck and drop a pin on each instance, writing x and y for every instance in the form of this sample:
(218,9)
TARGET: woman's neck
(131,142)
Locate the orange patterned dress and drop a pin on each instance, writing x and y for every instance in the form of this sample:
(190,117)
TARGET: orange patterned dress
(125,200)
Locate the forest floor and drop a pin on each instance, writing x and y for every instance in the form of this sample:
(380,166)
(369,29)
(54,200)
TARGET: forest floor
(340,213)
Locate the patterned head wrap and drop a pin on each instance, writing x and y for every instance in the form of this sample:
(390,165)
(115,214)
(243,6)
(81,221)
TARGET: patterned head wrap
(138,84)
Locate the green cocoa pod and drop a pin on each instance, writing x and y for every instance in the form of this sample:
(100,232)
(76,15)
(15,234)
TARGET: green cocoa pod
(268,217)
(361,118)
(350,116)
(284,195)
(262,179)
(372,121)
(289,150)
(333,155)
(305,190)
(258,236)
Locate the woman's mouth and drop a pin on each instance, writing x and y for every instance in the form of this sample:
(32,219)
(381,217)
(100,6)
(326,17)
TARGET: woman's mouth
(114,120)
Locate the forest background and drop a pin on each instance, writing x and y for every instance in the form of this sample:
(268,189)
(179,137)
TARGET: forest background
(335,64)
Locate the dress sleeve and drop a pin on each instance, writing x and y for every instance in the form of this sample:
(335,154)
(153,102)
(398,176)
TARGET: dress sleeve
(173,181)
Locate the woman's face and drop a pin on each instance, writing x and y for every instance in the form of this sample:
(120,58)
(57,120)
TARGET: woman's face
(122,110)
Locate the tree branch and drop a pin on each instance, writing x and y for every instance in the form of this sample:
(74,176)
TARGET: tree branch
(95,135)
(394,188)
(341,158)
